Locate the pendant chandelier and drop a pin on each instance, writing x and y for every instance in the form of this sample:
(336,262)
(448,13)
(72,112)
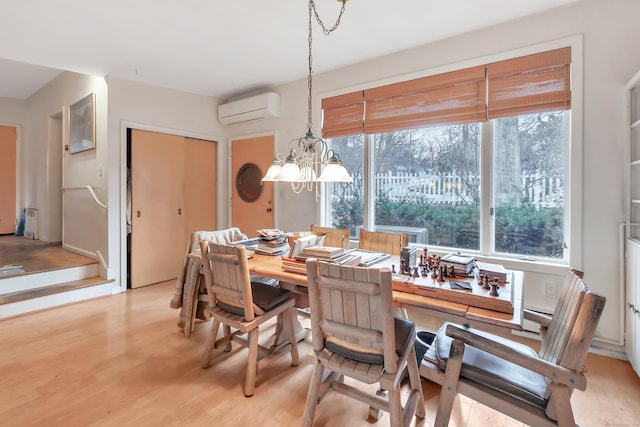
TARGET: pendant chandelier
(310,160)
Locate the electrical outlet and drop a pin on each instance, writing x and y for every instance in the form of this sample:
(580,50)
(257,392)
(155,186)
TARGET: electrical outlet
(550,290)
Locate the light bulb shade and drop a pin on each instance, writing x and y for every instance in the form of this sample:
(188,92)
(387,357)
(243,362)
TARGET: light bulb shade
(290,172)
(272,173)
(335,172)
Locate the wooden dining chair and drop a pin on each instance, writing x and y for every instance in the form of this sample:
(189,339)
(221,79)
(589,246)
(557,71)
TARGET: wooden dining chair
(512,378)
(355,335)
(389,243)
(238,304)
(337,237)
(190,291)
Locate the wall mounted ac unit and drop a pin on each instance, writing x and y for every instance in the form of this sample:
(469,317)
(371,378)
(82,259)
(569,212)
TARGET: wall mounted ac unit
(249,109)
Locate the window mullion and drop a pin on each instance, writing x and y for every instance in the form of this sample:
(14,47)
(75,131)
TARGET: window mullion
(487,219)
(368,216)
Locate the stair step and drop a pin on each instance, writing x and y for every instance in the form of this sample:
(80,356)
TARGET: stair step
(50,290)
(40,279)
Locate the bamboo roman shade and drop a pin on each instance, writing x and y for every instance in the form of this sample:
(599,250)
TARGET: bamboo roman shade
(343,115)
(449,98)
(527,84)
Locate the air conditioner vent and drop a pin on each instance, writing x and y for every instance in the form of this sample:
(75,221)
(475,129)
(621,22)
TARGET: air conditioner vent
(250,109)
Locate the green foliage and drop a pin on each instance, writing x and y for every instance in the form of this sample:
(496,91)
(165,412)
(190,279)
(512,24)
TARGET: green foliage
(521,230)
(529,231)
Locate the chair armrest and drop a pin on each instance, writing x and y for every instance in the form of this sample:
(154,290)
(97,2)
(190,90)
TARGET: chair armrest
(541,319)
(194,255)
(555,373)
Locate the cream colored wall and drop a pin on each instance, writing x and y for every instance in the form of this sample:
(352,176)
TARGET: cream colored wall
(611,57)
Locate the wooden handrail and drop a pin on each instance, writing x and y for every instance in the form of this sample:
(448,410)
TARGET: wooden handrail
(93,193)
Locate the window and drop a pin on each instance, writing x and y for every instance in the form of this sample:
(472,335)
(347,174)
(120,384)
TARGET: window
(456,167)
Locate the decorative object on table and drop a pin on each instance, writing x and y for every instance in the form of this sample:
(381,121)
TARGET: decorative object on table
(299,242)
(82,125)
(463,286)
(408,255)
(323,251)
(272,241)
(310,160)
(462,264)
(335,255)
(494,288)
(491,271)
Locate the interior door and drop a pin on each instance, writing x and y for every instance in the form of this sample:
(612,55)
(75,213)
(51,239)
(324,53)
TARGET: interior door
(251,200)
(157,224)
(7,180)
(200,178)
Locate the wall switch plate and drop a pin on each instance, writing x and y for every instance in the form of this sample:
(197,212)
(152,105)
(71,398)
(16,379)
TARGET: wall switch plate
(550,290)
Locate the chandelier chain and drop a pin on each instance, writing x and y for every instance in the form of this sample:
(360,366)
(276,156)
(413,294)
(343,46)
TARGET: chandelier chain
(326,30)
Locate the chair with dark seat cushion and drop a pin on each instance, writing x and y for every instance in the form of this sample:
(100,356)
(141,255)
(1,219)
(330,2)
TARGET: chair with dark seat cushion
(355,335)
(242,307)
(512,378)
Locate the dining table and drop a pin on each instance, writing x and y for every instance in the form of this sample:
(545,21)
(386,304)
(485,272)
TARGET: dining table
(476,308)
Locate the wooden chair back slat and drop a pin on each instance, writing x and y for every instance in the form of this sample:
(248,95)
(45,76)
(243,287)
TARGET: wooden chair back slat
(356,307)
(336,237)
(229,280)
(583,331)
(555,340)
(388,243)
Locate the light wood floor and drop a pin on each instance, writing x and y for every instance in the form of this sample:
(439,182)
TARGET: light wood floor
(122,361)
(36,256)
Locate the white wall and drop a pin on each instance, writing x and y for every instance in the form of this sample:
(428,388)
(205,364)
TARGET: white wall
(611,57)
(85,222)
(150,107)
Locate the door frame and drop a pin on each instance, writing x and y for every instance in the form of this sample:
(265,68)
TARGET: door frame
(122,212)
(231,181)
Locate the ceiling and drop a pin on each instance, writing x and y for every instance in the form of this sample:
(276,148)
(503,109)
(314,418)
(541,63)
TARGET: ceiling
(222,48)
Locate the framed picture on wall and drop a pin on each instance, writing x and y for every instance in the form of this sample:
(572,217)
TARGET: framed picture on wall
(82,124)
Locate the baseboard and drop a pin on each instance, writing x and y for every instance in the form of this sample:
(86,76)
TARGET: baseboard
(603,348)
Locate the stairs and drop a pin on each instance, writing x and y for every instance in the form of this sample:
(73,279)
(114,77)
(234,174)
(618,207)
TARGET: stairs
(27,293)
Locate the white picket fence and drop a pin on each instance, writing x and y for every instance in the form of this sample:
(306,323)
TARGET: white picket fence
(543,192)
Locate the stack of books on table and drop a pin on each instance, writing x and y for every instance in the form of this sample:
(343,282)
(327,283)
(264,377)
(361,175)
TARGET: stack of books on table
(329,253)
(341,256)
(272,242)
(493,271)
(462,264)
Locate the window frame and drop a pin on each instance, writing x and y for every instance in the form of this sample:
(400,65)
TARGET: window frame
(573,161)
